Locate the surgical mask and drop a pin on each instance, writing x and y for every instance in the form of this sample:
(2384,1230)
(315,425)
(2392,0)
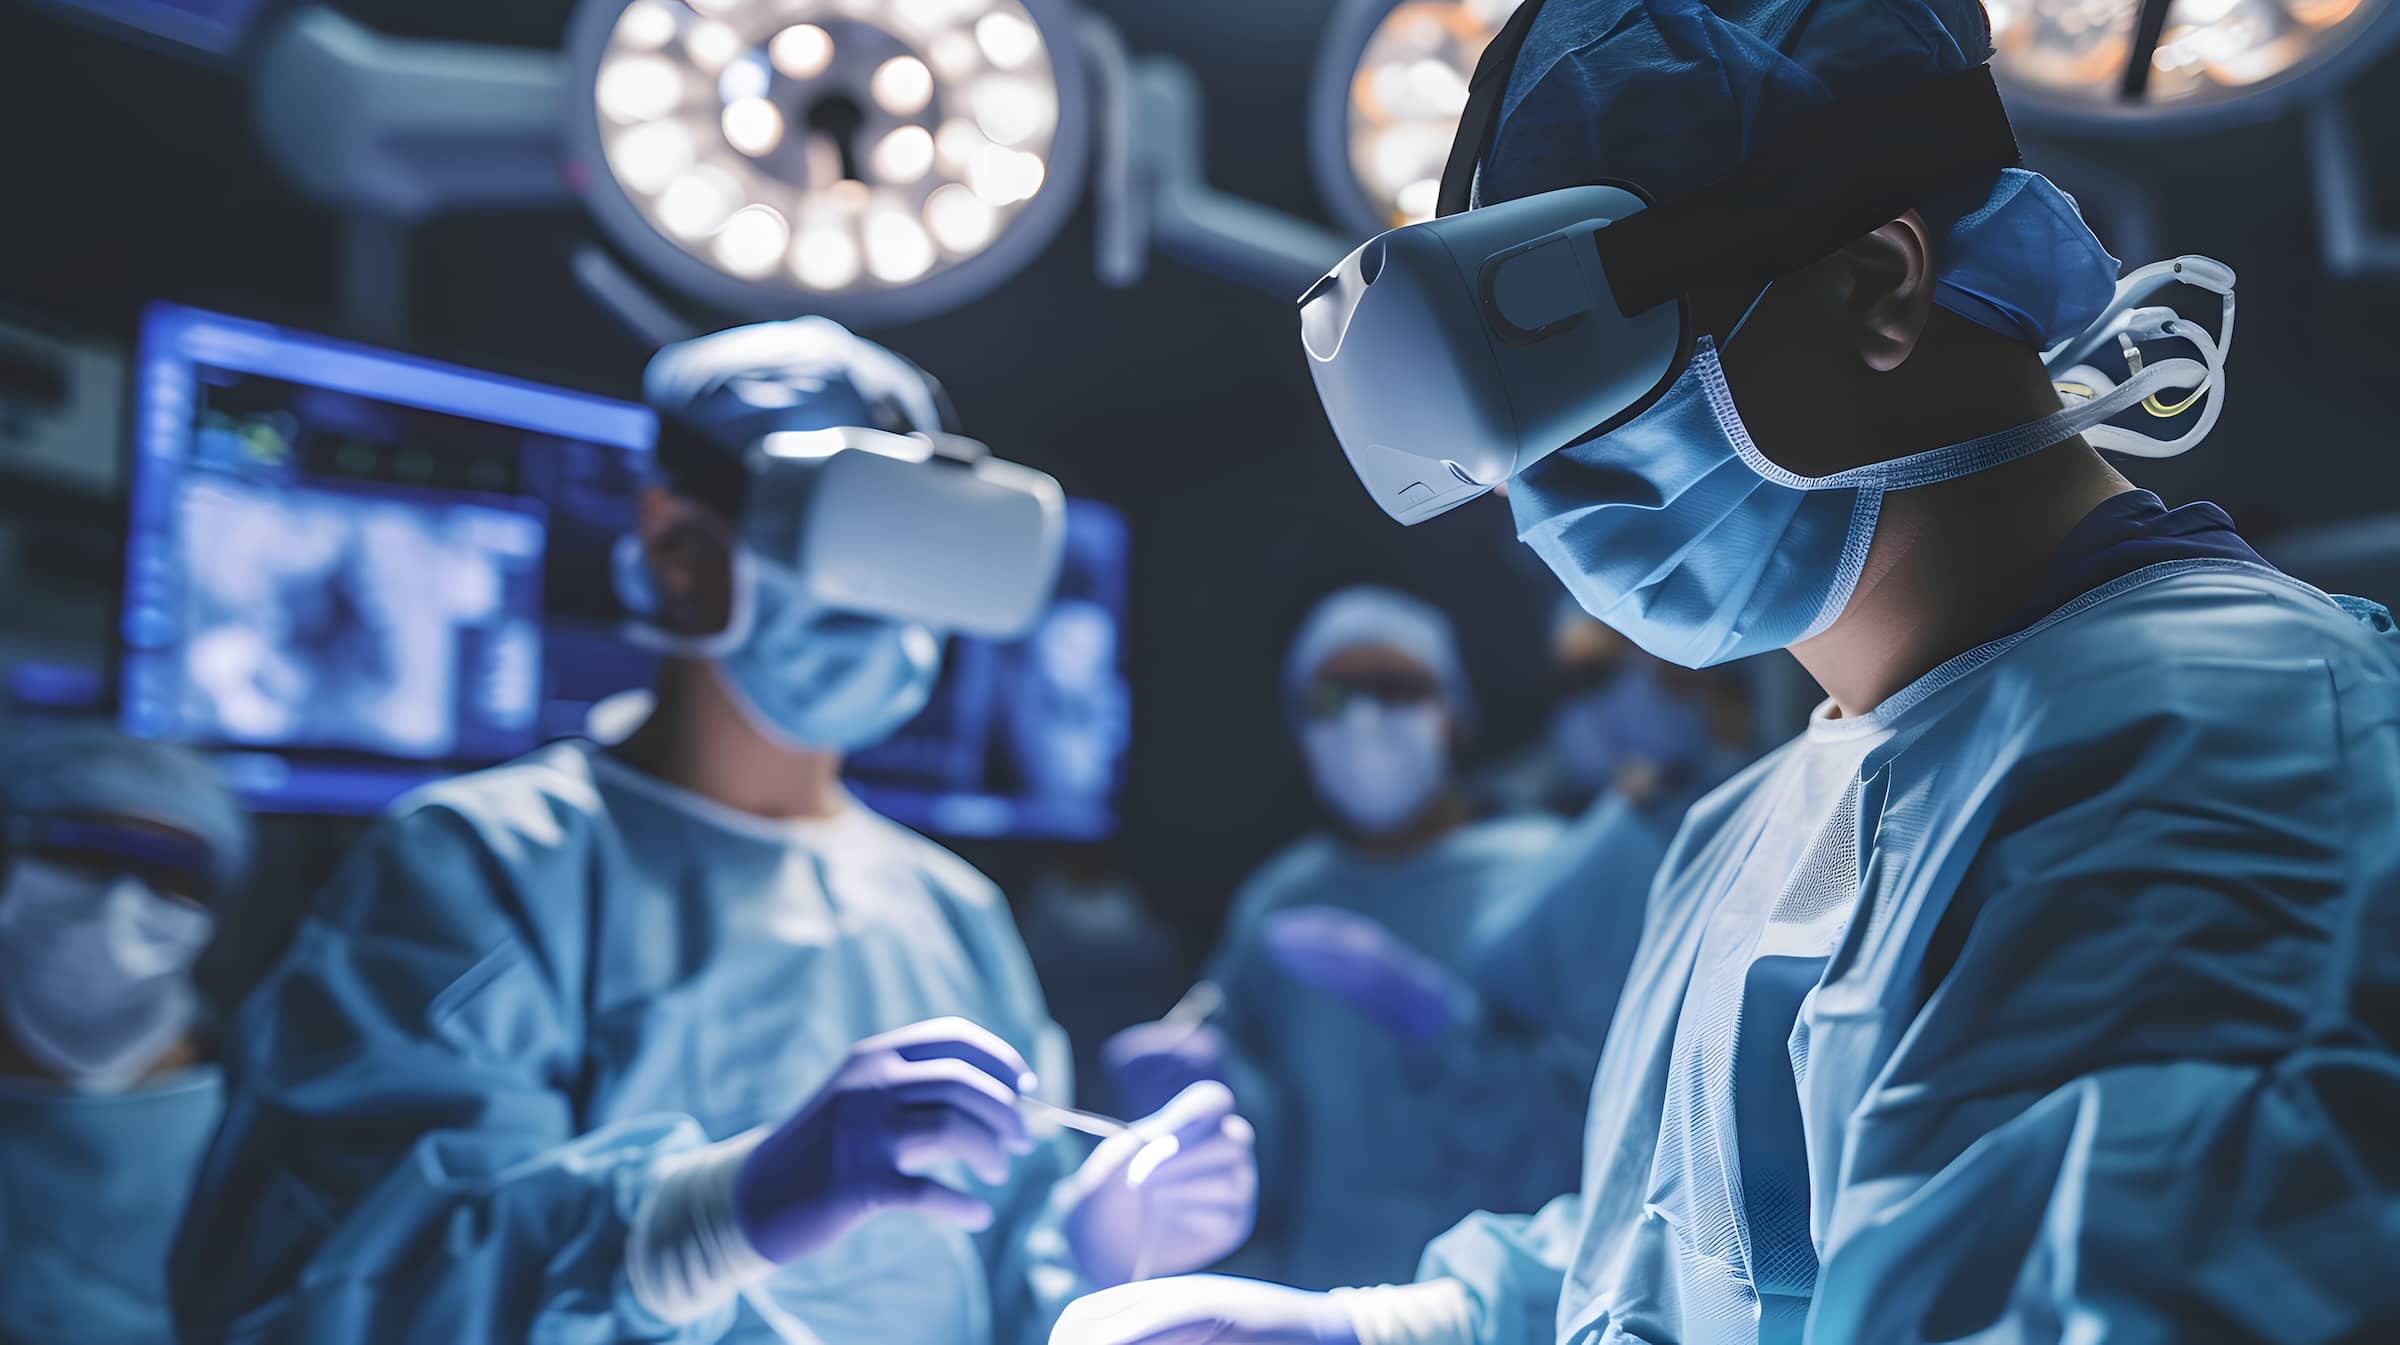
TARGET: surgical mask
(1675,530)
(1376,763)
(95,971)
(804,674)
(1633,719)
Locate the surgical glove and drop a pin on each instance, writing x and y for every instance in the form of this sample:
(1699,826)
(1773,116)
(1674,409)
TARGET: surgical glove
(1152,1062)
(906,1101)
(1204,1310)
(1354,958)
(720,1217)
(1176,1191)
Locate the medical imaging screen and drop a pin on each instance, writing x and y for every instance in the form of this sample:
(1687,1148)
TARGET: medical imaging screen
(357,571)
(352,572)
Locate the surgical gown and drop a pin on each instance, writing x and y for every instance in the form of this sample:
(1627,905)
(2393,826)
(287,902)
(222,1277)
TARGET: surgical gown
(90,1188)
(1368,1146)
(2053,1001)
(530,984)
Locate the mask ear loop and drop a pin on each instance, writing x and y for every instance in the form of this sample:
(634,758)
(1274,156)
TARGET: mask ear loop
(1738,323)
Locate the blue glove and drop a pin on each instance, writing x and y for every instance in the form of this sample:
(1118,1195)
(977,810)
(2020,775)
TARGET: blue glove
(1176,1191)
(938,1091)
(1152,1062)
(1354,958)
(1204,1310)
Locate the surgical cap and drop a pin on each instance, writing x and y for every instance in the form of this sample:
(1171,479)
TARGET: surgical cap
(1367,615)
(805,374)
(94,769)
(717,395)
(1672,94)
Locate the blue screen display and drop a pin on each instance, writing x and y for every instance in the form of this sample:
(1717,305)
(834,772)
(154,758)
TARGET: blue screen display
(352,572)
(361,570)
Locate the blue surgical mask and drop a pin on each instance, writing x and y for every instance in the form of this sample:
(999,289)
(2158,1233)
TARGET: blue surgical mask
(1378,764)
(1676,531)
(808,675)
(95,971)
(821,678)
(1674,528)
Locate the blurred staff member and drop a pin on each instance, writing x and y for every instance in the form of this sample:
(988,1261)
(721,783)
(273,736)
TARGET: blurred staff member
(1636,743)
(1390,1100)
(571,1049)
(113,855)
(1631,724)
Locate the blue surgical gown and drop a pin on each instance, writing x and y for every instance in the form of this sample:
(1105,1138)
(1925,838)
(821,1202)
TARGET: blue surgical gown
(90,1188)
(2055,1000)
(528,985)
(1368,1146)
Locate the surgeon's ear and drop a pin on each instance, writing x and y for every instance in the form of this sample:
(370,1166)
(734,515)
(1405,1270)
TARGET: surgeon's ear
(1884,282)
(691,562)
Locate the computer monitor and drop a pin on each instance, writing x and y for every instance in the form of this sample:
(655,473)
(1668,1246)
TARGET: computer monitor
(350,572)
(354,571)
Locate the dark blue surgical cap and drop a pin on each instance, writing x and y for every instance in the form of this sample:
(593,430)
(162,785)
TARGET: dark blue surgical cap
(1673,94)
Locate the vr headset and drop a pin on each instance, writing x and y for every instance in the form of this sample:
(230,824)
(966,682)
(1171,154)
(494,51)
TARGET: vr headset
(1451,354)
(926,528)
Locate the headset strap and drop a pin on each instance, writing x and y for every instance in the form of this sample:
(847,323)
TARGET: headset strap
(1482,113)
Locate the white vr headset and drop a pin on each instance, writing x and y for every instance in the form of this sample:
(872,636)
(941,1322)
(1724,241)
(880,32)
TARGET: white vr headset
(920,528)
(1451,354)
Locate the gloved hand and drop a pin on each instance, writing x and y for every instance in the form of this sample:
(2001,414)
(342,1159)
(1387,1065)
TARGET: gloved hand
(1204,1310)
(906,1100)
(1175,1192)
(1353,957)
(1150,1063)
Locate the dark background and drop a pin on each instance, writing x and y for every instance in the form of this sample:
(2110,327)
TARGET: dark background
(127,177)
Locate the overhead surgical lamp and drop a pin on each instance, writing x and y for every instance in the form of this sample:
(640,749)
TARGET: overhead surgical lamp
(1390,82)
(875,161)
(2140,67)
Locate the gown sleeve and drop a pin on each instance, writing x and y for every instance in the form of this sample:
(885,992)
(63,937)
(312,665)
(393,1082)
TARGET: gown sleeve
(401,1159)
(1512,1267)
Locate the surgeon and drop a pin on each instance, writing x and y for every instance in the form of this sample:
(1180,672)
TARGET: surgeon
(1633,725)
(676,1041)
(115,855)
(2047,986)
(1391,1094)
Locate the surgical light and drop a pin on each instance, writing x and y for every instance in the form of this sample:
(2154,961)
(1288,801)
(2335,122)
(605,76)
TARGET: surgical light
(2152,65)
(873,160)
(1390,83)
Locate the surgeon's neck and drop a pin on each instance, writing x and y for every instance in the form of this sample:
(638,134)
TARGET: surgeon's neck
(696,738)
(1950,563)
